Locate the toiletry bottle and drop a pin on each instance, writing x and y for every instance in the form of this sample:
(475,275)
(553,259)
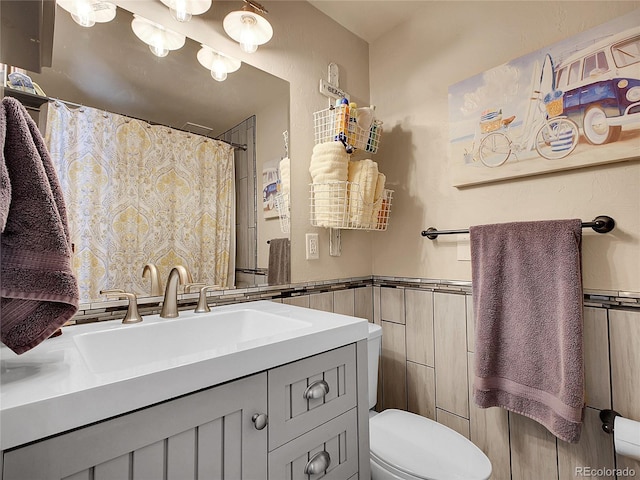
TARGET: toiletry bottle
(353,123)
(342,122)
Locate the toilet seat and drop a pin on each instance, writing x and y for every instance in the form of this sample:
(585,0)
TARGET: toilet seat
(413,447)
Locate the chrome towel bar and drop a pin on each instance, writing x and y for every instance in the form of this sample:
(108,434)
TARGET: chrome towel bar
(600,224)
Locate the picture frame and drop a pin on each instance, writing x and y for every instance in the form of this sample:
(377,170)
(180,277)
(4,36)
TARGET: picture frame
(573,104)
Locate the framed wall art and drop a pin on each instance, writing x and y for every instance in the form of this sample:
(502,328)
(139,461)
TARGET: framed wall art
(573,104)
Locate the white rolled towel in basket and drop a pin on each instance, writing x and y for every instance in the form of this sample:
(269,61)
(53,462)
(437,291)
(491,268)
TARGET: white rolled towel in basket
(363,179)
(285,175)
(378,200)
(329,165)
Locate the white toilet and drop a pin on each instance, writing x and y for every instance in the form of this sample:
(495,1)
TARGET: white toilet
(406,446)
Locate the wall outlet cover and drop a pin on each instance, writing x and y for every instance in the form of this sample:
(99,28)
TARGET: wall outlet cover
(312,246)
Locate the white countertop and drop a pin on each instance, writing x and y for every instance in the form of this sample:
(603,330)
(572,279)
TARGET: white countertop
(51,389)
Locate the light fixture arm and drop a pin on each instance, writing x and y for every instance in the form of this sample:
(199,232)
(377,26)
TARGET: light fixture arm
(255,6)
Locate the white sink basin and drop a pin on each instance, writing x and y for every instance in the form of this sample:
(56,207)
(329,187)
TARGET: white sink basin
(104,369)
(181,340)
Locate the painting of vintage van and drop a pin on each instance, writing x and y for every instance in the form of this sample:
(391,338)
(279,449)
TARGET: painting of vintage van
(571,105)
(601,85)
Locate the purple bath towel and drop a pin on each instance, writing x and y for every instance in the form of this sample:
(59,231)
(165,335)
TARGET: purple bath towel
(527,299)
(38,288)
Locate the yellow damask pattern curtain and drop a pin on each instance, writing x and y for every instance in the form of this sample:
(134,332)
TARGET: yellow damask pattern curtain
(140,193)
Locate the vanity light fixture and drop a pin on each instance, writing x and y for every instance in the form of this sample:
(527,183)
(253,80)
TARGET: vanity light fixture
(248,26)
(159,39)
(218,63)
(182,10)
(87,12)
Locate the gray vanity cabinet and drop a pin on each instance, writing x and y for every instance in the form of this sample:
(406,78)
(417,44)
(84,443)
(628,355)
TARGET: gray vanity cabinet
(209,434)
(332,448)
(313,421)
(315,430)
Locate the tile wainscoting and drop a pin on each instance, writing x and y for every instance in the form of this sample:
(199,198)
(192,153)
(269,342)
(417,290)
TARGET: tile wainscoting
(427,361)
(427,365)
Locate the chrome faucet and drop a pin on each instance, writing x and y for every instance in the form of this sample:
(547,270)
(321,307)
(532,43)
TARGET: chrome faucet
(170,303)
(156,286)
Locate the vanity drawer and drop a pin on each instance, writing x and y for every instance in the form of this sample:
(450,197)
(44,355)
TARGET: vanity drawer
(333,445)
(309,392)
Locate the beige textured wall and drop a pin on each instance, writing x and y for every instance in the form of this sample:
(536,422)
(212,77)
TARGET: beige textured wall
(411,69)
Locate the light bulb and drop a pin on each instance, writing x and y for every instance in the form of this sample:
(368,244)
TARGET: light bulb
(180,15)
(159,51)
(248,36)
(158,47)
(179,11)
(219,76)
(84,14)
(218,69)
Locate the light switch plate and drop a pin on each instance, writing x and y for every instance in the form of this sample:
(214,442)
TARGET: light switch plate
(464,247)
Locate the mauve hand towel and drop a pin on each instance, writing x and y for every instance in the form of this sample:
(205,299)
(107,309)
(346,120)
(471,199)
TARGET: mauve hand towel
(279,272)
(39,289)
(527,299)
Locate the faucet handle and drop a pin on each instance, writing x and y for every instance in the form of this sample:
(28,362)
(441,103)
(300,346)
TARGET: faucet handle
(111,290)
(189,286)
(132,315)
(203,306)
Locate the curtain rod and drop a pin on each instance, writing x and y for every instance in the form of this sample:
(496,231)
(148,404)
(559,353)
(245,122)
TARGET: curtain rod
(66,102)
(600,224)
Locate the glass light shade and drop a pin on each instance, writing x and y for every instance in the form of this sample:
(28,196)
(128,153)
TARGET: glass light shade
(87,12)
(182,10)
(159,39)
(248,28)
(219,63)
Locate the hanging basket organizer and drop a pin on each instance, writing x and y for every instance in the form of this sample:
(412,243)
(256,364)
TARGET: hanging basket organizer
(341,205)
(282,207)
(334,125)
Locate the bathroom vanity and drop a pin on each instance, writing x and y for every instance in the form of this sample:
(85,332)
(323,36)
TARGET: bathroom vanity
(275,392)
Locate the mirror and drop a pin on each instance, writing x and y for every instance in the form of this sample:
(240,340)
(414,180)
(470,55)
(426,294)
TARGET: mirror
(107,67)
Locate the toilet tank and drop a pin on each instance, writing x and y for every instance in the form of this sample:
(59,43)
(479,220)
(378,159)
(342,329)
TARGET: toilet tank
(374,346)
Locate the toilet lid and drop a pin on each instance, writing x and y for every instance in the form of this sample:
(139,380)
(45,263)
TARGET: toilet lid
(425,449)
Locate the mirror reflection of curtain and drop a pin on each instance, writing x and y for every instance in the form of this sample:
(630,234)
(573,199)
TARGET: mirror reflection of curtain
(140,193)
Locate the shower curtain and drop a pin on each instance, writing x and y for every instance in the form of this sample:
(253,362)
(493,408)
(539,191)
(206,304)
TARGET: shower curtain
(140,193)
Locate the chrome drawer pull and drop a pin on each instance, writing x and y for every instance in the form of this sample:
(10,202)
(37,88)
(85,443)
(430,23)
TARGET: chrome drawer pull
(259,420)
(318,463)
(317,389)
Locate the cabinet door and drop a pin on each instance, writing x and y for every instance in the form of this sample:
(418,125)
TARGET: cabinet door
(336,440)
(291,410)
(209,434)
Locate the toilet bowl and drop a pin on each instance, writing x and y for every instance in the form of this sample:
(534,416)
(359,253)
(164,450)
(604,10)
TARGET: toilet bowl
(406,446)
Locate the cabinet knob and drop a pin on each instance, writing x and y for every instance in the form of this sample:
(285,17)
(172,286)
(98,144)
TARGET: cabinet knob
(318,463)
(317,389)
(259,420)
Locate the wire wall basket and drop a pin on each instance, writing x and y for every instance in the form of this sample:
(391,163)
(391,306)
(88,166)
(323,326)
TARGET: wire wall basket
(334,124)
(282,207)
(343,205)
